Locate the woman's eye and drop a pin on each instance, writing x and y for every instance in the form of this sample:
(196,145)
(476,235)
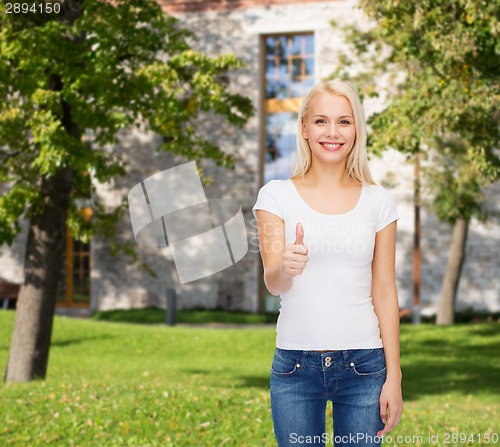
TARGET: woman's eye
(320,121)
(345,122)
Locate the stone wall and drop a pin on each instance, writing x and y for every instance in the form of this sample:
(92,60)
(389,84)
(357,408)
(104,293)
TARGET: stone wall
(117,284)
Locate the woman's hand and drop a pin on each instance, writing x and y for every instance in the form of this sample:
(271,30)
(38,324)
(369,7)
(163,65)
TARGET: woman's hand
(295,255)
(391,405)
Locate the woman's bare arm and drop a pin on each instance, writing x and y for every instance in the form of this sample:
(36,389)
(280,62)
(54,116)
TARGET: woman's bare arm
(385,298)
(385,303)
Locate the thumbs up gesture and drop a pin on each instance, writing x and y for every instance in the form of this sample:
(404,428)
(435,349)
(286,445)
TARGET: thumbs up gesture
(295,255)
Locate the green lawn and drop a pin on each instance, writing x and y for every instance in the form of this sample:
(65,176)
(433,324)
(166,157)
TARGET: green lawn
(115,384)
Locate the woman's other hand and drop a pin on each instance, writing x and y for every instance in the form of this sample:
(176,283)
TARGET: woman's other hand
(391,405)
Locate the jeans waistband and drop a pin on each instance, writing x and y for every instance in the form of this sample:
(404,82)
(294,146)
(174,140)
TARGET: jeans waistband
(340,357)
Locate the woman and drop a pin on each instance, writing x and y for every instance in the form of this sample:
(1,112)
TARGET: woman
(327,239)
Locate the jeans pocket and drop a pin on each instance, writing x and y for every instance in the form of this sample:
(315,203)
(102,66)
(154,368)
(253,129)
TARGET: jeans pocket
(371,365)
(283,365)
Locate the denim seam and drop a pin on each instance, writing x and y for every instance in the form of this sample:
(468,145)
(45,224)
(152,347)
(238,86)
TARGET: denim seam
(283,373)
(369,374)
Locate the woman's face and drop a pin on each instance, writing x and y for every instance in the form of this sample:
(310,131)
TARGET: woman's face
(329,127)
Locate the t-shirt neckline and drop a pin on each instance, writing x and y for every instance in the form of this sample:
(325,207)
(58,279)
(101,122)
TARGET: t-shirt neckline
(352,210)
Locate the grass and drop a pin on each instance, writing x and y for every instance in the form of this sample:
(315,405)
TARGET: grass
(112,384)
(155,315)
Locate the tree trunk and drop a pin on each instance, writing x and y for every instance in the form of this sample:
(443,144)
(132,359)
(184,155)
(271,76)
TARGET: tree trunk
(451,279)
(29,350)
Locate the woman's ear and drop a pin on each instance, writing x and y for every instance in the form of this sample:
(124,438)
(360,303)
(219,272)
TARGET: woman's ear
(304,133)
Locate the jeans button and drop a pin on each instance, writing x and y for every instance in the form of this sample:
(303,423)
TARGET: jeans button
(328,361)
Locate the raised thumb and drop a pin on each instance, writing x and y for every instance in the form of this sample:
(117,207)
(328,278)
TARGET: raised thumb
(299,234)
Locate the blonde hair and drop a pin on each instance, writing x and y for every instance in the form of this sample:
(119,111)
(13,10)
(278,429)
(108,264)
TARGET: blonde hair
(357,160)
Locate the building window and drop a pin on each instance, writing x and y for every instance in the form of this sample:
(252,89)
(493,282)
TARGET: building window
(289,73)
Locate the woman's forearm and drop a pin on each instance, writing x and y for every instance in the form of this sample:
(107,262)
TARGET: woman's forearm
(387,309)
(276,281)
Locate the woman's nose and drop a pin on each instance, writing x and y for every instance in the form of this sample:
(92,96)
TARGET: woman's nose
(332,131)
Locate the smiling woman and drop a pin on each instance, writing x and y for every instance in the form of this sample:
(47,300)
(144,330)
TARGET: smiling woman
(327,240)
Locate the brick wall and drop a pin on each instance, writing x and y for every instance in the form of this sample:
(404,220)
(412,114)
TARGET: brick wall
(187,6)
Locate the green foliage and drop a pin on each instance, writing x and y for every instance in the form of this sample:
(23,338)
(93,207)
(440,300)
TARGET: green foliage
(112,384)
(439,62)
(120,65)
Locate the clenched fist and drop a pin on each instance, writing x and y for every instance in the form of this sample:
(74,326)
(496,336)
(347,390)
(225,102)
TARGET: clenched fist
(295,255)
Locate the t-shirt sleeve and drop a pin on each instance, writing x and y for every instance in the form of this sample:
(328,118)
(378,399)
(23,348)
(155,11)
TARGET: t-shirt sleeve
(387,212)
(268,200)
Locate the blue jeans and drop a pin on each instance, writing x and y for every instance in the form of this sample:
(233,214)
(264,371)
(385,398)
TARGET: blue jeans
(303,381)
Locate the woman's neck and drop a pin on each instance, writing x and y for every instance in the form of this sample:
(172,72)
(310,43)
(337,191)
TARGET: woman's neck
(328,177)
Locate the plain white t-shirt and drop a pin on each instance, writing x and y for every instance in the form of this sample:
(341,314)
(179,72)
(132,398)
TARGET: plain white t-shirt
(329,305)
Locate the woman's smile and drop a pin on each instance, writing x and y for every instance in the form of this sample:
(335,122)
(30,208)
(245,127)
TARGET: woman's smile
(331,146)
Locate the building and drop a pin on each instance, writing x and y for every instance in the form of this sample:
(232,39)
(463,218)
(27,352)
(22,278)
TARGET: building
(287,46)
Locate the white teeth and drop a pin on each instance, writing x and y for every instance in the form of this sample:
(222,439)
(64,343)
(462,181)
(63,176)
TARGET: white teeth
(332,145)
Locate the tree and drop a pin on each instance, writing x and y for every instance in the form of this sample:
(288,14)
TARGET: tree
(439,60)
(110,66)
